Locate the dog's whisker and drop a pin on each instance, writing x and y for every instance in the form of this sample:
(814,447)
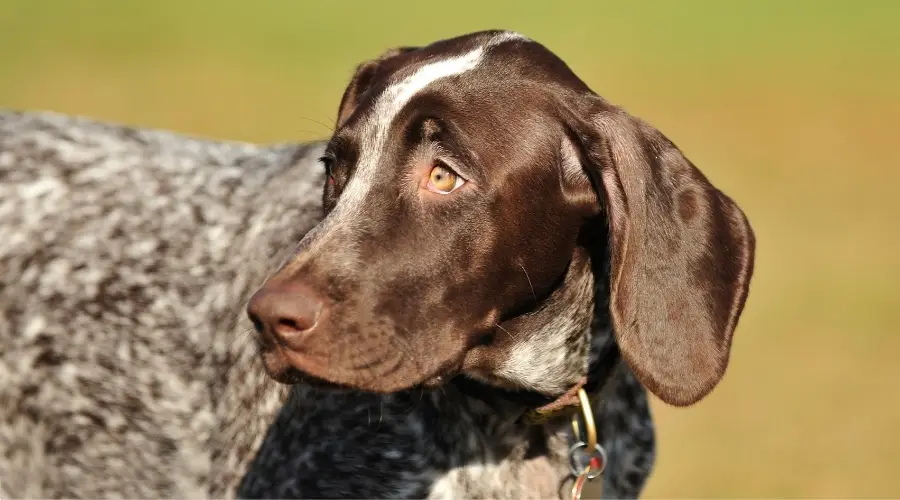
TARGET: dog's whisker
(235,356)
(505,330)
(402,343)
(529,282)
(330,129)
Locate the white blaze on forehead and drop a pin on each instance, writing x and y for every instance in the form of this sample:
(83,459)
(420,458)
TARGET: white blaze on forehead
(377,123)
(386,108)
(392,101)
(374,137)
(395,98)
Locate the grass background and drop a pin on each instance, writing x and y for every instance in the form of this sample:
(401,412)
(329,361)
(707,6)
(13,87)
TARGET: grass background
(789,106)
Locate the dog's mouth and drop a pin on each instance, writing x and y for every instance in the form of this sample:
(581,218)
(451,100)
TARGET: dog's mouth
(279,370)
(290,367)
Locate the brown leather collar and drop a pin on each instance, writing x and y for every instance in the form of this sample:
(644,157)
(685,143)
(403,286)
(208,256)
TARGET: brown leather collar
(541,407)
(565,404)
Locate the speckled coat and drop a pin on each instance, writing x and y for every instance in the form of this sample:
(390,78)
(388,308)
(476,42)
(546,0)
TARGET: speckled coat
(127,367)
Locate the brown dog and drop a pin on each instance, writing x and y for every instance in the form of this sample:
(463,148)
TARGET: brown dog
(477,190)
(461,177)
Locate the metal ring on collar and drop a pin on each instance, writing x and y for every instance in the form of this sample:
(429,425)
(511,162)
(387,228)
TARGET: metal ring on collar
(589,467)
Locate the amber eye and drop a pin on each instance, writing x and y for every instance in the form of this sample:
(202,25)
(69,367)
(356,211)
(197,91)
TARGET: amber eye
(443,180)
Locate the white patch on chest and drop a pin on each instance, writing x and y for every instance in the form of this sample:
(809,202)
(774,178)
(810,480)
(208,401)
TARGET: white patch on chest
(501,477)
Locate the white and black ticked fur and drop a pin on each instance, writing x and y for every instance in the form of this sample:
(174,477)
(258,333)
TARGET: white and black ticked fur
(126,259)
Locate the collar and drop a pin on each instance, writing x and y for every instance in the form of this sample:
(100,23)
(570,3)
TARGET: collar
(542,408)
(569,402)
(587,458)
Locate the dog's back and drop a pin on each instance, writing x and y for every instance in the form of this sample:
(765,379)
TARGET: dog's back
(125,259)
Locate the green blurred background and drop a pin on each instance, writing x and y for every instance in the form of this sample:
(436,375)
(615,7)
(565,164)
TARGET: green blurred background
(790,107)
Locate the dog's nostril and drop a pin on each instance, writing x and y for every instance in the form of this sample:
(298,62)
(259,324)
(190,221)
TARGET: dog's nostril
(299,325)
(257,323)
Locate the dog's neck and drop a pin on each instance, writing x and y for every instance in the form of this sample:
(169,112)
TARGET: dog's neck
(545,350)
(539,407)
(438,443)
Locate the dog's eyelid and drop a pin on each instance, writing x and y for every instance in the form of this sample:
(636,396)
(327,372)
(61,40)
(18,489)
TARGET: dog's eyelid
(450,164)
(328,164)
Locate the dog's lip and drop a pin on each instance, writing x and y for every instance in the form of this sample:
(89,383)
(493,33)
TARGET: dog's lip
(317,368)
(277,366)
(290,368)
(280,369)
(305,362)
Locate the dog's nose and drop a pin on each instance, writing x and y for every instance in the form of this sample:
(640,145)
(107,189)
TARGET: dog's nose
(288,312)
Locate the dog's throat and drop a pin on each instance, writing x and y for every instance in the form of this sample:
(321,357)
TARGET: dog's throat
(538,407)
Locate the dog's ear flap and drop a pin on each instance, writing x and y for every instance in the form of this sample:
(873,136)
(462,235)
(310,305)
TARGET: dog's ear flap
(363,78)
(681,254)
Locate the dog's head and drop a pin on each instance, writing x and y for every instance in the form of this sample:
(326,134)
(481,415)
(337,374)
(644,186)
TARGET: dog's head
(469,182)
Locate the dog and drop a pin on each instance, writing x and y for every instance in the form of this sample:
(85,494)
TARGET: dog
(127,257)
(484,208)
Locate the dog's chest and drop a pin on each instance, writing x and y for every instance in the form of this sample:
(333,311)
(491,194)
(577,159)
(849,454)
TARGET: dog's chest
(533,478)
(513,475)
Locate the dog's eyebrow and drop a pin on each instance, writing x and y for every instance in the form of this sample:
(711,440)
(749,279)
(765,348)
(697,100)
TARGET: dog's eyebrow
(395,97)
(385,107)
(339,146)
(458,156)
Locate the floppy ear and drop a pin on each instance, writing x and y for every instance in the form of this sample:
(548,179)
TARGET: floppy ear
(681,256)
(366,73)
